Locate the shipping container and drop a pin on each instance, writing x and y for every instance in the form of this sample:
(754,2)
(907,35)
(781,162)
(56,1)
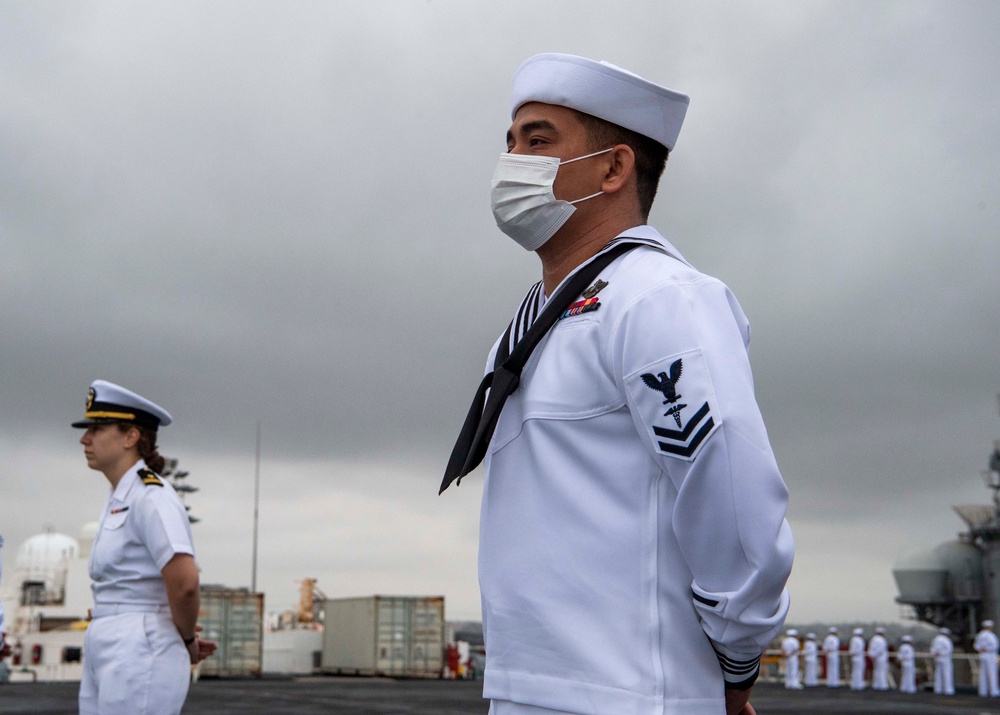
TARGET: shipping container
(234,619)
(384,635)
(294,651)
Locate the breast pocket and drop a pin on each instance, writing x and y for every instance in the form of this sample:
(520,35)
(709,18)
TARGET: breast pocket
(109,545)
(565,379)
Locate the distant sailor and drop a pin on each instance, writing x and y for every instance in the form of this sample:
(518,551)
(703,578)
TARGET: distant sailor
(810,655)
(987,646)
(941,649)
(790,652)
(857,653)
(907,666)
(142,640)
(831,647)
(4,648)
(878,651)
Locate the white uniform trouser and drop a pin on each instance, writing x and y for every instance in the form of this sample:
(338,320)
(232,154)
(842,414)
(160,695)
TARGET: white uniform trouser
(880,674)
(857,672)
(908,678)
(833,670)
(812,667)
(134,664)
(988,675)
(792,671)
(943,676)
(505,707)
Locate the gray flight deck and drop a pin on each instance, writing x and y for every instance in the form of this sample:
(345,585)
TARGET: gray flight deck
(366,696)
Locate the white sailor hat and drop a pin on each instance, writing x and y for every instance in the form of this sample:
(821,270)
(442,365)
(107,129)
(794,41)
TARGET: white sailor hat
(831,629)
(810,636)
(880,629)
(859,631)
(791,632)
(907,639)
(987,624)
(108,402)
(602,90)
(945,631)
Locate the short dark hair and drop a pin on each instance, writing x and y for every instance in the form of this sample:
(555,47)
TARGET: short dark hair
(650,156)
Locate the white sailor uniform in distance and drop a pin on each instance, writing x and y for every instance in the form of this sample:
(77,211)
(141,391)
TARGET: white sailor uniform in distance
(135,662)
(831,647)
(810,656)
(3,627)
(628,563)
(878,651)
(790,651)
(856,649)
(944,669)
(987,645)
(907,668)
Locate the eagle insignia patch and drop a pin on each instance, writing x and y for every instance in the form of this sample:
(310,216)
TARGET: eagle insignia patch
(683,383)
(150,478)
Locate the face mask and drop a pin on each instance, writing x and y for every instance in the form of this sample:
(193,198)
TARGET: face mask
(523,203)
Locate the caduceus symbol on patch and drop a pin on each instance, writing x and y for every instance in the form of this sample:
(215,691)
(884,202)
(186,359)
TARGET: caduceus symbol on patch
(667,384)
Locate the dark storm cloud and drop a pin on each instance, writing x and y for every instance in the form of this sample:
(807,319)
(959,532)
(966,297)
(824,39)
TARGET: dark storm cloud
(280,212)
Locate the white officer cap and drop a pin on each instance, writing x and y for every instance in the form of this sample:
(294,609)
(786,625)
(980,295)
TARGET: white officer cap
(859,631)
(987,624)
(602,90)
(108,402)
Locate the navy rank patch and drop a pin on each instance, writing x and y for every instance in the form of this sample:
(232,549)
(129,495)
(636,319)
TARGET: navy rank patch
(150,478)
(681,420)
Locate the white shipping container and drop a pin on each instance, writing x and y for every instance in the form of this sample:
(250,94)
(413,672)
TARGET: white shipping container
(384,635)
(292,652)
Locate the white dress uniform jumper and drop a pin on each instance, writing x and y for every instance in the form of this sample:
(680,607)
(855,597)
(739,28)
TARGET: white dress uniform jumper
(610,532)
(856,649)
(907,667)
(878,651)
(831,647)
(987,645)
(810,657)
(633,548)
(790,648)
(944,669)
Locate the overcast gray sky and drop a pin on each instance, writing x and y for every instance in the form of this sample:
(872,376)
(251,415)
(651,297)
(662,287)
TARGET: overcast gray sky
(280,212)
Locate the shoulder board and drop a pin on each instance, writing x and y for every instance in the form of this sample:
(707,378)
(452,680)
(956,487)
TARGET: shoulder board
(149,478)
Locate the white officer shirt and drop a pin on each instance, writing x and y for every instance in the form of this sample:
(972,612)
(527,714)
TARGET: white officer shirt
(831,644)
(907,654)
(630,560)
(143,526)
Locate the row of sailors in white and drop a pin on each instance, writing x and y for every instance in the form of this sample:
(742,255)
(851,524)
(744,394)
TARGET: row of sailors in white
(986,644)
